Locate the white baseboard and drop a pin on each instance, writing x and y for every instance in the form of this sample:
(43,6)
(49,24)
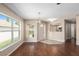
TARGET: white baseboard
(15,48)
(30,41)
(77,43)
(58,40)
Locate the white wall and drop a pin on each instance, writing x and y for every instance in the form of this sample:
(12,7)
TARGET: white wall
(77,30)
(10,49)
(58,36)
(40,32)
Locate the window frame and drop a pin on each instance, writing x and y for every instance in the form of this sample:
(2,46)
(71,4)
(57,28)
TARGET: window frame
(12,30)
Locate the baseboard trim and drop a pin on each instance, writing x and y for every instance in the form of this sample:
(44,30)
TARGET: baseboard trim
(77,43)
(30,41)
(58,40)
(15,49)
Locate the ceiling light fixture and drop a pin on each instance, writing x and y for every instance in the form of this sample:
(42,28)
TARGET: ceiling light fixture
(58,3)
(53,19)
(39,17)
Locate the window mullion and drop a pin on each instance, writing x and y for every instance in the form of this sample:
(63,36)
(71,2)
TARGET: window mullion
(19,31)
(12,29)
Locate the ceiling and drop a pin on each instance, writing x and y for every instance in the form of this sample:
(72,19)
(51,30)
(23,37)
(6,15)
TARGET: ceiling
(43,10)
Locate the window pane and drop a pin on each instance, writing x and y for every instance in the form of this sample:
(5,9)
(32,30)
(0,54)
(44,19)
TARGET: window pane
(5,31)
(5,21)
(15,35)
(30,31)
(2,29)
(5,39)
(16,30)
(15,24)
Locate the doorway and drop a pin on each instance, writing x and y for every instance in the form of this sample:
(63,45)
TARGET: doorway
(30,32)
(41,31)
(70,31)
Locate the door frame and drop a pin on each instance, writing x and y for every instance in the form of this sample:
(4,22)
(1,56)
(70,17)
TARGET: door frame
(65,28)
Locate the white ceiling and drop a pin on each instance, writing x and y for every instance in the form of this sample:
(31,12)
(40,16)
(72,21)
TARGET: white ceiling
(47,10)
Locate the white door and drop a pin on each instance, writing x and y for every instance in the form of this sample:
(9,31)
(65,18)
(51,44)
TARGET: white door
(41,32)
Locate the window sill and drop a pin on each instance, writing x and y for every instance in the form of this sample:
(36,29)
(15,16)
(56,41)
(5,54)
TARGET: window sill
(9,46)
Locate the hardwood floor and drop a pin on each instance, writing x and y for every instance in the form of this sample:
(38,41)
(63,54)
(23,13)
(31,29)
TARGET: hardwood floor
(41,49)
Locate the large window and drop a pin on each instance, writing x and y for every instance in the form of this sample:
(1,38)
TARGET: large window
(9,31)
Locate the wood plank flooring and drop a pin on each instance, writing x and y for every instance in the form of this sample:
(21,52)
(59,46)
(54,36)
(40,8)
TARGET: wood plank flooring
(41,49)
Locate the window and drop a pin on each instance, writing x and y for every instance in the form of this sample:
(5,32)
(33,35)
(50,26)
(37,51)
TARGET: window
(30,31)
(9,31)
(16,30)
